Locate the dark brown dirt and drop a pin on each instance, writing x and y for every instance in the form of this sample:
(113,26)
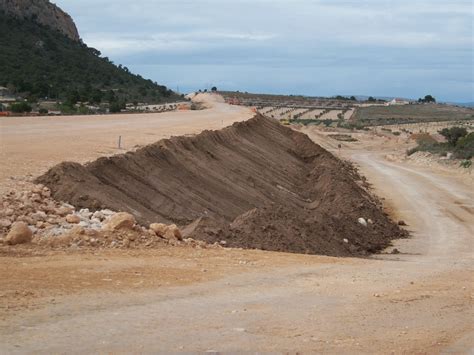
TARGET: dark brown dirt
(256,184)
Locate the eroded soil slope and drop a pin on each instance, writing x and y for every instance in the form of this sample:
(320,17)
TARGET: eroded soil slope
(255,184)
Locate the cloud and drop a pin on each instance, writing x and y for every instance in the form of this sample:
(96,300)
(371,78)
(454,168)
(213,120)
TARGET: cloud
(170,41)
(423,41)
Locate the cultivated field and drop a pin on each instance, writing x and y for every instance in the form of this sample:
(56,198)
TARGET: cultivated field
(383,115)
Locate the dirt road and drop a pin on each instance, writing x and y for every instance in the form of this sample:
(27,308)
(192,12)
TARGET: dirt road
(31,145)
(417,301)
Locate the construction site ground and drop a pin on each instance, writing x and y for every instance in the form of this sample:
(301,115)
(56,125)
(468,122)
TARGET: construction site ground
(187,299)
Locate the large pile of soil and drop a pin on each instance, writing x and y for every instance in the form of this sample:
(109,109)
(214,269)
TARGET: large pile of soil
(256,184)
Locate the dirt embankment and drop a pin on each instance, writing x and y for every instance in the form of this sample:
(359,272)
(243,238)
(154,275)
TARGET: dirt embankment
(255,184)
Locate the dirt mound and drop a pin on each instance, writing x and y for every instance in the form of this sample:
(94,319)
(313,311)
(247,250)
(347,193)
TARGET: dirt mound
(256,184)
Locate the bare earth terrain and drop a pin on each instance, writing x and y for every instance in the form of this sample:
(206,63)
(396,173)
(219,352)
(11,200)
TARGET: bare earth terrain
(185,299)
(31,145)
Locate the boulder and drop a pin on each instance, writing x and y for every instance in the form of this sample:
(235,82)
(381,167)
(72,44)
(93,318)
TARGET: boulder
(121,220)
(63,211)
(5,223)
(46,192)
(175,231)
(73,219)
(19,233)
(39,216)
(159,229)
(170,232)
(9,212)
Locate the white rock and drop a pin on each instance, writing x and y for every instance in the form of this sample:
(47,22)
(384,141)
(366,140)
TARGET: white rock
(99,215)
(362,221)
(85,213)
(345,240)
(107,212)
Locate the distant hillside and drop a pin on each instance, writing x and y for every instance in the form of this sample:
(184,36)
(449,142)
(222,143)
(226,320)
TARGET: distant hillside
(39,61)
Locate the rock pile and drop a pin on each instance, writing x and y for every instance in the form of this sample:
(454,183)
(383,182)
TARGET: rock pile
(32,215)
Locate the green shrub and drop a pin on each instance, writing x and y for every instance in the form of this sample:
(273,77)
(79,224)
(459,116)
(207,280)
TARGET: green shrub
(465,147)
(117,106)
(453,134)
(21,107)
(466,164)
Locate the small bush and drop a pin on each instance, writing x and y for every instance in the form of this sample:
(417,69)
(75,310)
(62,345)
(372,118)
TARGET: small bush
(21,107)
(453,134)
(465,147)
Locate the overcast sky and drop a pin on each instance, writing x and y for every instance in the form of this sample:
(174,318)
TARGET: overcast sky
(406,48)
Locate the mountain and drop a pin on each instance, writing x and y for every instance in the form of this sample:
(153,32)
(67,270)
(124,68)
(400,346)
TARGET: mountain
(44,13)
(42,56)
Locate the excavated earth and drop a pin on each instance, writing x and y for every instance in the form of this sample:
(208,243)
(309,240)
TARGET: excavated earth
(255,184)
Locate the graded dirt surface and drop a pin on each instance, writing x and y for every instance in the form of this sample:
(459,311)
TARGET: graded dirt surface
(31,145)
(256,184)
(195,300)
(418,301)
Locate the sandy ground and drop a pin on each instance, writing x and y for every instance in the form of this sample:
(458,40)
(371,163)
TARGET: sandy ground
(31,145)
(183,299)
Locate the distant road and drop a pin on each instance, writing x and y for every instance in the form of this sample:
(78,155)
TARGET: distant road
(31,145)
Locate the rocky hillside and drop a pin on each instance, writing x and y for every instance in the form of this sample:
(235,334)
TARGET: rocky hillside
(42,57)
(44,13)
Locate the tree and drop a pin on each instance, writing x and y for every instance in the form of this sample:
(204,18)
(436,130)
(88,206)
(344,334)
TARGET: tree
(353,98)
(72,98)
(427,99)
(453,134)
(115,107)
(371,99)
(96,96)
(214,89)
